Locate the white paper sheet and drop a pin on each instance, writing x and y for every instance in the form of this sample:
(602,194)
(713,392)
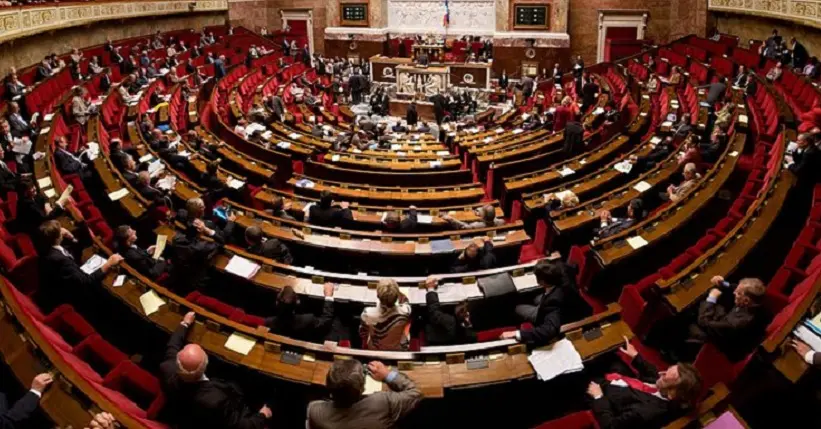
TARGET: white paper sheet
(636,242)
(242,267)
(556,359)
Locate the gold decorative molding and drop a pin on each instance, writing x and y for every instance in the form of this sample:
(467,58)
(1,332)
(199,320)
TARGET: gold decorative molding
(804,12)
(16,22)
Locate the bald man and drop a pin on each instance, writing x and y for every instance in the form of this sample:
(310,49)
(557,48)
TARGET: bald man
(196,401)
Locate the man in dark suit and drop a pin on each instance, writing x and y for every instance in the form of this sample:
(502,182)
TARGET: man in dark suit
(443,328)
(799,54)
(716,91)
(411,116)
(219,67)
(142,260)
(573,138)
(67,162)
(806,160)
(32,208)
(475,258)
(105,81)
(16,416)
(654,399)
(8,178)
(14,88)
(439,105)
(19,125)
(734,328)
(325,213)
(394,223)
(143,187)
(683,128)
(271,248)
(590,91)
(545,313)
(44,70)
(195,401)
(307,326)
(60,273)
(527,86)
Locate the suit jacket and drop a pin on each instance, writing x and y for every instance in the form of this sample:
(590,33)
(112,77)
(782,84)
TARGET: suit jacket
(735,331)
(716,92)
(306,326)
(484,260)
(143,262)
(615,227)
(19,126)
(31,213)
(443,328)
(627,408)
(42,73)
(219,68)
(8,180)
(105,83)
(66,163)
(573,138)
(13,90)
(205,404)
(806,164)
(190,258)
(548,322)
(330,217)
(63,272)
(589,91)
(412,117)
(799,55)
(14,417)
(380,410)
(272,248)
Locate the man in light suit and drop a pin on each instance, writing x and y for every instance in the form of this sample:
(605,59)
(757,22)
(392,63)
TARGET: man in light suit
(349,408)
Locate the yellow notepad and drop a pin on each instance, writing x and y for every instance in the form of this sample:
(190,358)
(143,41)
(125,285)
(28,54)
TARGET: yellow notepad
(240,343)
(151,302)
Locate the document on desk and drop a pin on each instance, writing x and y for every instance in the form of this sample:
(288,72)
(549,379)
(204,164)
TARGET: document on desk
(45,182)
(151,302)
(441,246)
(242,267)
(240,343)
(371,385)
(642,186)
(146,158)
(424,219)
(93,264)
(525,282)
(417,296)
(636,242)
(235,183)
(116,195)
(451,292)
(50,193)
(350,293)
(159,247)
(566,171)
(556,359)
(624,167)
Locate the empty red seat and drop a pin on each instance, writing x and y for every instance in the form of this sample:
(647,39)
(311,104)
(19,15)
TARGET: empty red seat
(99,354)
(137,391)
(69,324)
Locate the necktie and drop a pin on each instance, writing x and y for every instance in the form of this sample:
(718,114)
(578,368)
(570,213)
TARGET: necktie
(632,383)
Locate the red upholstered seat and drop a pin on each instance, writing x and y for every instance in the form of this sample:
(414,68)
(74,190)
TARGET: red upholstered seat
(137,386)
(69,324)
(578,420)
(99,354)
(535,250)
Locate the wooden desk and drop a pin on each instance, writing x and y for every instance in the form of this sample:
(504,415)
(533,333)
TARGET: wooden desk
(391,195)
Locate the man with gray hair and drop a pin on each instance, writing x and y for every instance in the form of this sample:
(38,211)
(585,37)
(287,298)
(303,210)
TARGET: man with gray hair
(195,400)
(350,408)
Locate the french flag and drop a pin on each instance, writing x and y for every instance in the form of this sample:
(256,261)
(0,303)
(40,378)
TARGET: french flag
(447,14)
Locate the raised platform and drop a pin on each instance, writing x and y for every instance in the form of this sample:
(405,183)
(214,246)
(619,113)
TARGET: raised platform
(424,108)
(466,75)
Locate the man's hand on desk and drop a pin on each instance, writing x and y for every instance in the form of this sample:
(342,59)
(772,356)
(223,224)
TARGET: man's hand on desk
(717,280)
(188,319)
(431,282)
(715,293)
(594,390)
(112,261)
(800,347)
(509,335)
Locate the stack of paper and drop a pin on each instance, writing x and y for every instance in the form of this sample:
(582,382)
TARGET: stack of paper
(624,167)
(636,242)
(642,186)
(556,359)
(525,282)
(242,267)
(235,183)
(442,153)
(434,164)
(424,219)
(283,145)
(566,171)
(116,195)
(371,385)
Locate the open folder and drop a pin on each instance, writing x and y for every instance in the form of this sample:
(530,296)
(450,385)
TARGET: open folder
(160,246)
(242,267)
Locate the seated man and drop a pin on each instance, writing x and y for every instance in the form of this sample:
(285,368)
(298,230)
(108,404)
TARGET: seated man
(271,248)
(195,400)
(350,408)
(486,213)
(394,223)
(612,226)
(69,163)
(545,314)
(734,327)
(280,209)
(142,260)
(474,258)
(327,214)
(8,179)
(652,401)
(691,177)
(60,272)
(306,326)
(443,328)
(32,207)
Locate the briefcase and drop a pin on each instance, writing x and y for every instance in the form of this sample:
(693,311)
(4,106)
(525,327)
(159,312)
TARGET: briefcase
(497,285)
